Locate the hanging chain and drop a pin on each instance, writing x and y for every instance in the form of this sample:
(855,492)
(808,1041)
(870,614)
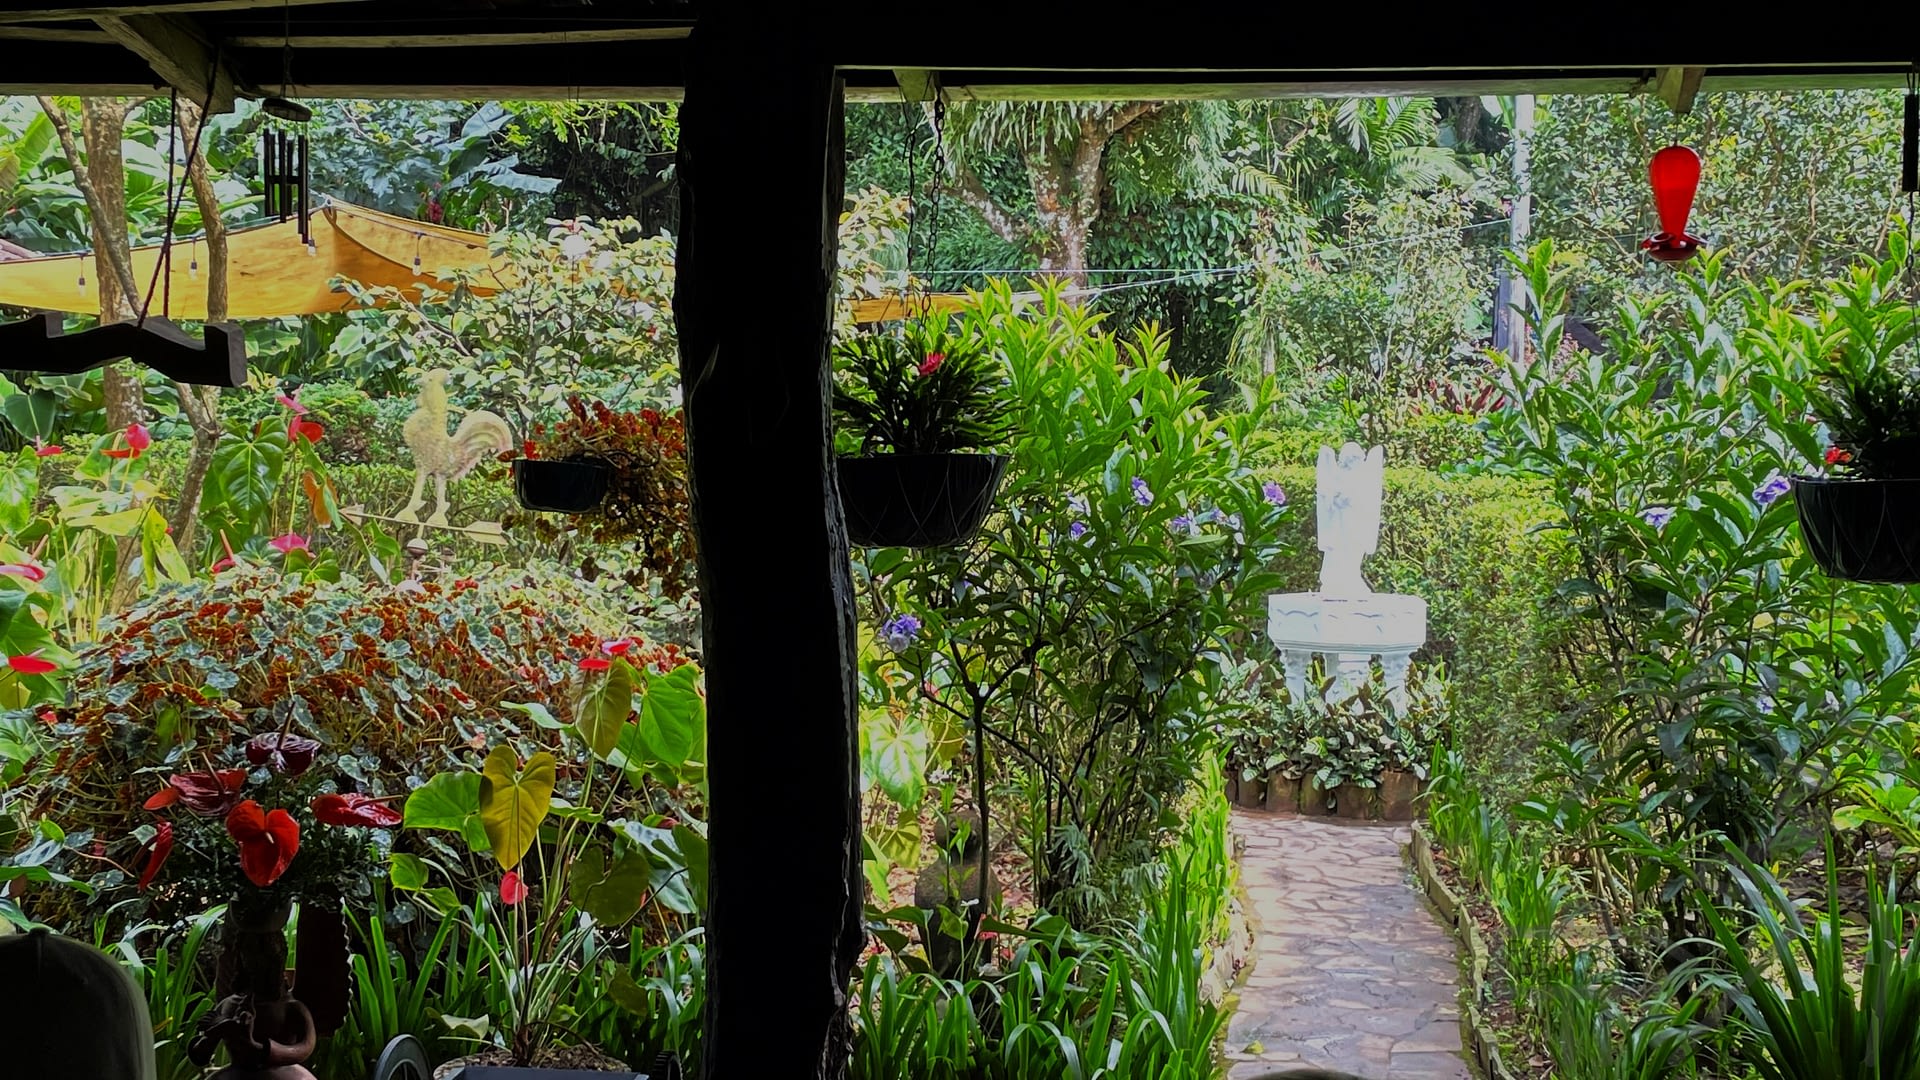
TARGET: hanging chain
(933,193)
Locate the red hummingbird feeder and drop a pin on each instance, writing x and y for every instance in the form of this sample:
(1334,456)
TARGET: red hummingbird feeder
(1675,173)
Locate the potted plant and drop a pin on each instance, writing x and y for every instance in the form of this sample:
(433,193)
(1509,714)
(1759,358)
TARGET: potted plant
(912,407)
(262,827)
(624,476)
(1864,525)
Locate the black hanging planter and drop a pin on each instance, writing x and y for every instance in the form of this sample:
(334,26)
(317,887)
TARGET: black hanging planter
(573,486)
(1861,530)
(918,500)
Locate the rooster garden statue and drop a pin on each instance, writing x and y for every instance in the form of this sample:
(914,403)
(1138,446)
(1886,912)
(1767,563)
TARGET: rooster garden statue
(445,456)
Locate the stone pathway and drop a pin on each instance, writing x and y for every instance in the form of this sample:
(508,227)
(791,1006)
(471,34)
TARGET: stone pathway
(1351,971)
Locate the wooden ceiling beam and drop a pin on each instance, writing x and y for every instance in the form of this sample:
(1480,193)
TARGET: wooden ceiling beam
(20,13)
(181,54)
(375,38)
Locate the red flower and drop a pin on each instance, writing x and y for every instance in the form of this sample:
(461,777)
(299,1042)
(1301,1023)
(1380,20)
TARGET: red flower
(617,647)
(1838,456)
(208,794)
(288,543)
(353,809)
(288,754)
(529,450)
(29,570)
(32,665)
(137,438)
(932,363)
(311,430)
(162,799)
(268,841)
(157,850)
(41,449)
(595,663)
(512,889)
(292,403)
(227,563)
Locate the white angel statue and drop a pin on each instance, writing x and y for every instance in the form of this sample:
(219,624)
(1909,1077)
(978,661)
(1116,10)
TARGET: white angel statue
(1350,485)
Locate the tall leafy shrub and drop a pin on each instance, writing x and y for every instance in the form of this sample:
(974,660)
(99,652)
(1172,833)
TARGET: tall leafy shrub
(1721,675)
(1077,633)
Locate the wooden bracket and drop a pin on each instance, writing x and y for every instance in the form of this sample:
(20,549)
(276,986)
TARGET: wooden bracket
(1678,86)
(40,345)
(181,54)
(917,84)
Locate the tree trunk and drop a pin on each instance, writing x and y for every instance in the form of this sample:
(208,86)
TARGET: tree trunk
(785,890)
(103,125)
(201,403)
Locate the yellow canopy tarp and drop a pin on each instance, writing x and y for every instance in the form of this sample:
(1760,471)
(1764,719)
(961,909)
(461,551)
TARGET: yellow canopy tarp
(270,272)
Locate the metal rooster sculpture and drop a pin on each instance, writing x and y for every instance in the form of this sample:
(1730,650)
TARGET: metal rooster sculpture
(445,456)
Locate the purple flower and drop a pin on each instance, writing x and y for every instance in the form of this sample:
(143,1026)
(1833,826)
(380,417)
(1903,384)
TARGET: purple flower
(1142,494)
(1077,530)
(1181,523)
(1657,516)
(900,632)
(1077,503)
(1274,492)
(1770,489)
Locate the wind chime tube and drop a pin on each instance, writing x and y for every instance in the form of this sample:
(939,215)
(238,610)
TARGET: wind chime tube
(1910,147)
(306,227)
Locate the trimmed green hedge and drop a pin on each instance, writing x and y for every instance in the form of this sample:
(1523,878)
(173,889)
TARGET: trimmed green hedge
(1468,545)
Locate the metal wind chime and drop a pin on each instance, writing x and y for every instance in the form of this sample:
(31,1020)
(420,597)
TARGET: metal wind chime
(283,166)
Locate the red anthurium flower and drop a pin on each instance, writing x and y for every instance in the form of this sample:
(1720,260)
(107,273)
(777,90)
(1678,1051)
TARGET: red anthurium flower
(595,663)
(32,665)
(209,794)
(137,439)
(617,647)
(41,449)
(310,430)
(292,403)
(157,850)
(162,799)
(932,363)
(30,571)
(268,841)
(512,889)
(288,543)
(1838,456)
(289,754)
(50,717)
(352,809)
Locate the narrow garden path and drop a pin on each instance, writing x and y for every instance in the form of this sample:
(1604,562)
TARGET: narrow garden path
(1351,971)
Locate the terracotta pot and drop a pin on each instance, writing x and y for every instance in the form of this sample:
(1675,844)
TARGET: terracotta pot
(1283,794)
(1398,789)
(1314,799)
(1251,794)
(1356,802)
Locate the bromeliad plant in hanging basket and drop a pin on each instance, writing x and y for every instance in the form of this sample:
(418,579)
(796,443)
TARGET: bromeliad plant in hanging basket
(623,478)
(1865,524)
(917,403)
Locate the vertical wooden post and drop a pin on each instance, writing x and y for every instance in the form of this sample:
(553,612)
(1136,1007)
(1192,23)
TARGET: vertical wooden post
(761,195)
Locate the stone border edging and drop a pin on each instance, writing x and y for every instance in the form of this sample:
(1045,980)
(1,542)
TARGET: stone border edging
(1475,1033)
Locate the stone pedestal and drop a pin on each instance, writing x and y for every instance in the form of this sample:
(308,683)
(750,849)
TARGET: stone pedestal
(1350,632)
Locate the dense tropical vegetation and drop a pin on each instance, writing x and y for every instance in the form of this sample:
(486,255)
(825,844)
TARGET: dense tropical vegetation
(1651,735)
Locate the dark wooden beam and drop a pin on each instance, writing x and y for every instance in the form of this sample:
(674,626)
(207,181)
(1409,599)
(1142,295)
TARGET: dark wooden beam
(181,54)
(40,12)
(785,893)
(376,37)
(614,70)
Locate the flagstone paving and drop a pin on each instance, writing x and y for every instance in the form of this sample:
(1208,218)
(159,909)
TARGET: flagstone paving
(1351,970)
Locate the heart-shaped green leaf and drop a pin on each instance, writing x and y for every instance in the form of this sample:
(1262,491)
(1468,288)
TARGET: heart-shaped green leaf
(451,800)
(514,801)
(611,894)
(673,719)
(604,708)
